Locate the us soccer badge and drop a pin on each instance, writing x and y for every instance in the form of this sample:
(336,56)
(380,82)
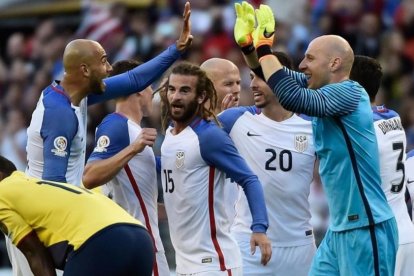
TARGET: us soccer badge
(301,142)
(179,159)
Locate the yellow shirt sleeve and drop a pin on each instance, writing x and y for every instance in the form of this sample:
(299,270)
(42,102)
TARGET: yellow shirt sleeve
(14,226)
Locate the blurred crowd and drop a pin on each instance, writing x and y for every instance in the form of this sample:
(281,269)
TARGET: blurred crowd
(383,29)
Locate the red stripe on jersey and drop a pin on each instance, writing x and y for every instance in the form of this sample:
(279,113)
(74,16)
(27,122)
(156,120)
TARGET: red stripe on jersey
(144,212)
(229,272)
(212,218)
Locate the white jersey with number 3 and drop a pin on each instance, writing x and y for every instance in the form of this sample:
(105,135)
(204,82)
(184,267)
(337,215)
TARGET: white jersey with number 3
(392,145)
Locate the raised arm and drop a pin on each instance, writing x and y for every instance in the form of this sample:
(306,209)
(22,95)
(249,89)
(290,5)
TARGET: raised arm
(144,75)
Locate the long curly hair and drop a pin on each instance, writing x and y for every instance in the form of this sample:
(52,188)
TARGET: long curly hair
(204,85)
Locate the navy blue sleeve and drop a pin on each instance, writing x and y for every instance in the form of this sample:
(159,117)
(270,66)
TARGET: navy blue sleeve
(224,156)
(337,99)
(59,127)
(110,138)
(158,164)
(138,78)
(229,116)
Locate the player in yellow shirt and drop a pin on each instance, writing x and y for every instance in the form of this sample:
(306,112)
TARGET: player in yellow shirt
(58,225)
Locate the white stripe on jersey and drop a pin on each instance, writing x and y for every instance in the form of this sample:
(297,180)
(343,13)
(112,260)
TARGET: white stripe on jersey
(283,157)
(194,201)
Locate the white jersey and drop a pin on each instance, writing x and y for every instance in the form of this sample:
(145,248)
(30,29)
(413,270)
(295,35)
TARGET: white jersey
(194,164)
(409,172)
(134,188)
(392,144)
(283,157)
(56,147)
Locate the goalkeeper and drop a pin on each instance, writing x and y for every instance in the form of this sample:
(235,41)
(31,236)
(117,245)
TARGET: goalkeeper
(362,237)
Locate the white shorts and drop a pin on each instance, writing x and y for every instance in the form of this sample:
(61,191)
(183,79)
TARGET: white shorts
(295,260)
(237,271)
(18,261)
(404,264)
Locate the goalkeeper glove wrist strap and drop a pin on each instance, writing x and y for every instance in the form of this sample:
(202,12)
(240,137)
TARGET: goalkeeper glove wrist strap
(248,49)
(263,50)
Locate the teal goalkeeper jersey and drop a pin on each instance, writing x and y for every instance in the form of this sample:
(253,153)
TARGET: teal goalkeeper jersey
(346,146)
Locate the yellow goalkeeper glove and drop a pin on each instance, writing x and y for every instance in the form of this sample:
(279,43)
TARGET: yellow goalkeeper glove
(244,25)
(265,30)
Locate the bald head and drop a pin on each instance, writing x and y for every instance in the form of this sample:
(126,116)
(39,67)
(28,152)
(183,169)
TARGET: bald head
(226,78)
(216,67)
(335,46)
(81,51)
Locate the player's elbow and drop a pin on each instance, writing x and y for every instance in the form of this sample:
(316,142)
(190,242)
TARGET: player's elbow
(89,179)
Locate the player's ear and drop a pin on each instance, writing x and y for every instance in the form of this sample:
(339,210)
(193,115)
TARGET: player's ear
(85,70)
(202,97)
(335,64)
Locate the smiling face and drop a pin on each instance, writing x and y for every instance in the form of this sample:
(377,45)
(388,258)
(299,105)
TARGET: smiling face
(182,97)
(262,94)
(316,65)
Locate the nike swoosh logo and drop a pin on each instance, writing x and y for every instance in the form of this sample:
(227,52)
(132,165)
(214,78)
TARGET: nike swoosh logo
(409,182)
(252,134)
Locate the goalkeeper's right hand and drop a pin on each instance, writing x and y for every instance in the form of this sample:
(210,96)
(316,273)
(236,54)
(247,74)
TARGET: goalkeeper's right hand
(244,26)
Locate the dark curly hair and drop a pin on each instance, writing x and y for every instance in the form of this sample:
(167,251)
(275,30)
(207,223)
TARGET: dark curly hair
(204,85)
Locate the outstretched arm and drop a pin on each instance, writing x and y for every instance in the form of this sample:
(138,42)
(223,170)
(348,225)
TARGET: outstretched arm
(144,75)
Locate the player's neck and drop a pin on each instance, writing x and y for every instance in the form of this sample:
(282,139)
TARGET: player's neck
(132,113)
(74,90)
(276,112)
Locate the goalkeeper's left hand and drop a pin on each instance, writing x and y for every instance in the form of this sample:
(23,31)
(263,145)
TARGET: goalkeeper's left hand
(244,25)
(265,30)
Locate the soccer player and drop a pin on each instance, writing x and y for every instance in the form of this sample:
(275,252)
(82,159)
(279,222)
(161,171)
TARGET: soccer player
(196,156)
(123,160)
(361,222)
(392,146)
(57,132)
(277,144)
(409,164)
(57,225)
(226,79)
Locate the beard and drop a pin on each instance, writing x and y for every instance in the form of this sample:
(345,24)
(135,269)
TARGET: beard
(188,112)
(97,86)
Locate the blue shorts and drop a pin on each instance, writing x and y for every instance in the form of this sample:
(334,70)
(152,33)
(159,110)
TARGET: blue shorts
(119,249)
(351,252)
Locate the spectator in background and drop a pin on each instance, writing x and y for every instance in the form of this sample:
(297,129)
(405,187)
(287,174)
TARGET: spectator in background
(14,138)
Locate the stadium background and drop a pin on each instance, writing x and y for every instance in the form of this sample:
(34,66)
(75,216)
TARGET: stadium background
(34,34)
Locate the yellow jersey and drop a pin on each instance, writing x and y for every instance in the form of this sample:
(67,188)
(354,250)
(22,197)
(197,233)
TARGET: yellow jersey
(60,214)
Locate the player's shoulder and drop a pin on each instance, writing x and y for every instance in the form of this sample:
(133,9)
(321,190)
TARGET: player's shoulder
(230,116)
(207,130)
(113,124)
(410,154)
(54,97)
(383,113)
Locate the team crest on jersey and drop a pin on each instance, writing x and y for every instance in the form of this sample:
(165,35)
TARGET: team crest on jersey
(179,159)
(60,143)
(301,142)
(102,144)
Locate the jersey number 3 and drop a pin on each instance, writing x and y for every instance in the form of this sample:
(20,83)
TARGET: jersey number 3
(396,188)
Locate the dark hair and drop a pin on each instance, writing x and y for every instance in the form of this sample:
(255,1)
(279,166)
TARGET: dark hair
(284,59)
(368,73)
(6,166)
(204,84)
(122,66)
